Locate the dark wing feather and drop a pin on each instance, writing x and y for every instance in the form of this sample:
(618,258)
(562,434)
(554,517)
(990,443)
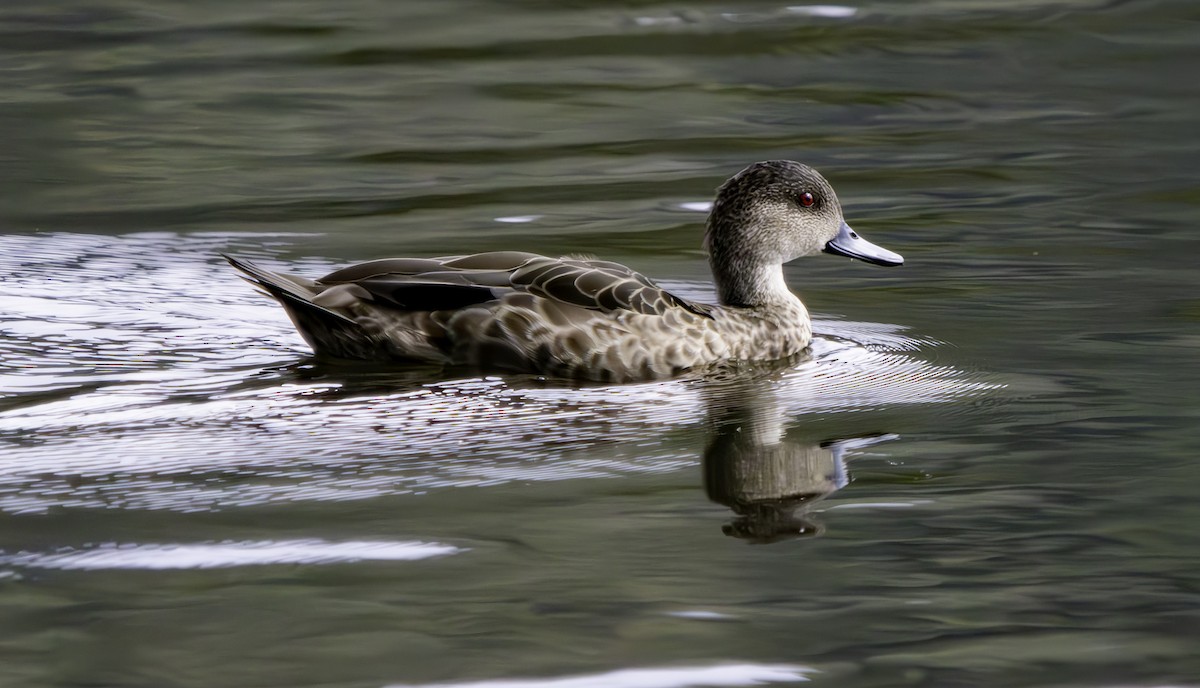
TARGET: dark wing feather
(381,267)
(433,284)
(454,282)
(410,294)
(493,260)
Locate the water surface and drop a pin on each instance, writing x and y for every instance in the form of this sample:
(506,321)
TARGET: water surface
(983,475)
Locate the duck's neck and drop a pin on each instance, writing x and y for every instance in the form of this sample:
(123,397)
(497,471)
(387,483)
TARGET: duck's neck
(750,286)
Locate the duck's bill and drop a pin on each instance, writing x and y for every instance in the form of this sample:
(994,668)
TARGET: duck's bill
(849,243)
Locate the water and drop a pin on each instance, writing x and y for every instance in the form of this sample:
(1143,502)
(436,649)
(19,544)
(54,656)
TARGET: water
(984,475)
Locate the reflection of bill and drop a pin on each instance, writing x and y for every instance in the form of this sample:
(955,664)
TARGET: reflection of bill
(768,478)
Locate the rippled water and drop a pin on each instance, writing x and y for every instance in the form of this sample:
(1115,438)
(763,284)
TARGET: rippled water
(983,475)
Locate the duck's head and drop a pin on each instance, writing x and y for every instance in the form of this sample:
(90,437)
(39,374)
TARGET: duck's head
(774,212)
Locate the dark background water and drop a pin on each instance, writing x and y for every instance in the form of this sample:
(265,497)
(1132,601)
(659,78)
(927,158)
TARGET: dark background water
(1004,430)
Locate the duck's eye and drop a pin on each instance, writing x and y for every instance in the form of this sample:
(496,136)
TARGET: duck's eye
(806,199)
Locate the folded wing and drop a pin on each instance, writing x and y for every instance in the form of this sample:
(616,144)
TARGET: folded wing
(435,284)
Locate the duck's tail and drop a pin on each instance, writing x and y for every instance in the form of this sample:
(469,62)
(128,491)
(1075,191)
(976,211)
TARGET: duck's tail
(328,332)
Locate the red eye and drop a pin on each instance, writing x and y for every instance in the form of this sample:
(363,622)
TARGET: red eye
(806,199)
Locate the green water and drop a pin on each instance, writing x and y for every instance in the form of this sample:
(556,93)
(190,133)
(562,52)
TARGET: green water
(985,475)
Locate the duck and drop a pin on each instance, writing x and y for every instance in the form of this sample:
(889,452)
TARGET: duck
(582,318)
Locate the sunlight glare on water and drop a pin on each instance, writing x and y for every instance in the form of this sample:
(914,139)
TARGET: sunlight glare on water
(212,555)
(680,677)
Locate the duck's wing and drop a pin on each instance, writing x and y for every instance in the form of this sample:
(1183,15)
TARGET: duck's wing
(455,282)
(425,284)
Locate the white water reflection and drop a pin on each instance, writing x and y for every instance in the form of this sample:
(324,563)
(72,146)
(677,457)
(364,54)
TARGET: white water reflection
(827,11)
(675,677)
(216,555)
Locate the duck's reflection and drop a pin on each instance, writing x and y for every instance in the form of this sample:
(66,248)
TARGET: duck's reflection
(769,456)
(766,468)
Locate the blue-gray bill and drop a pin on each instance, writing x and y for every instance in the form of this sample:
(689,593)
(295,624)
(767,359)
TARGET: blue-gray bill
(849,243)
